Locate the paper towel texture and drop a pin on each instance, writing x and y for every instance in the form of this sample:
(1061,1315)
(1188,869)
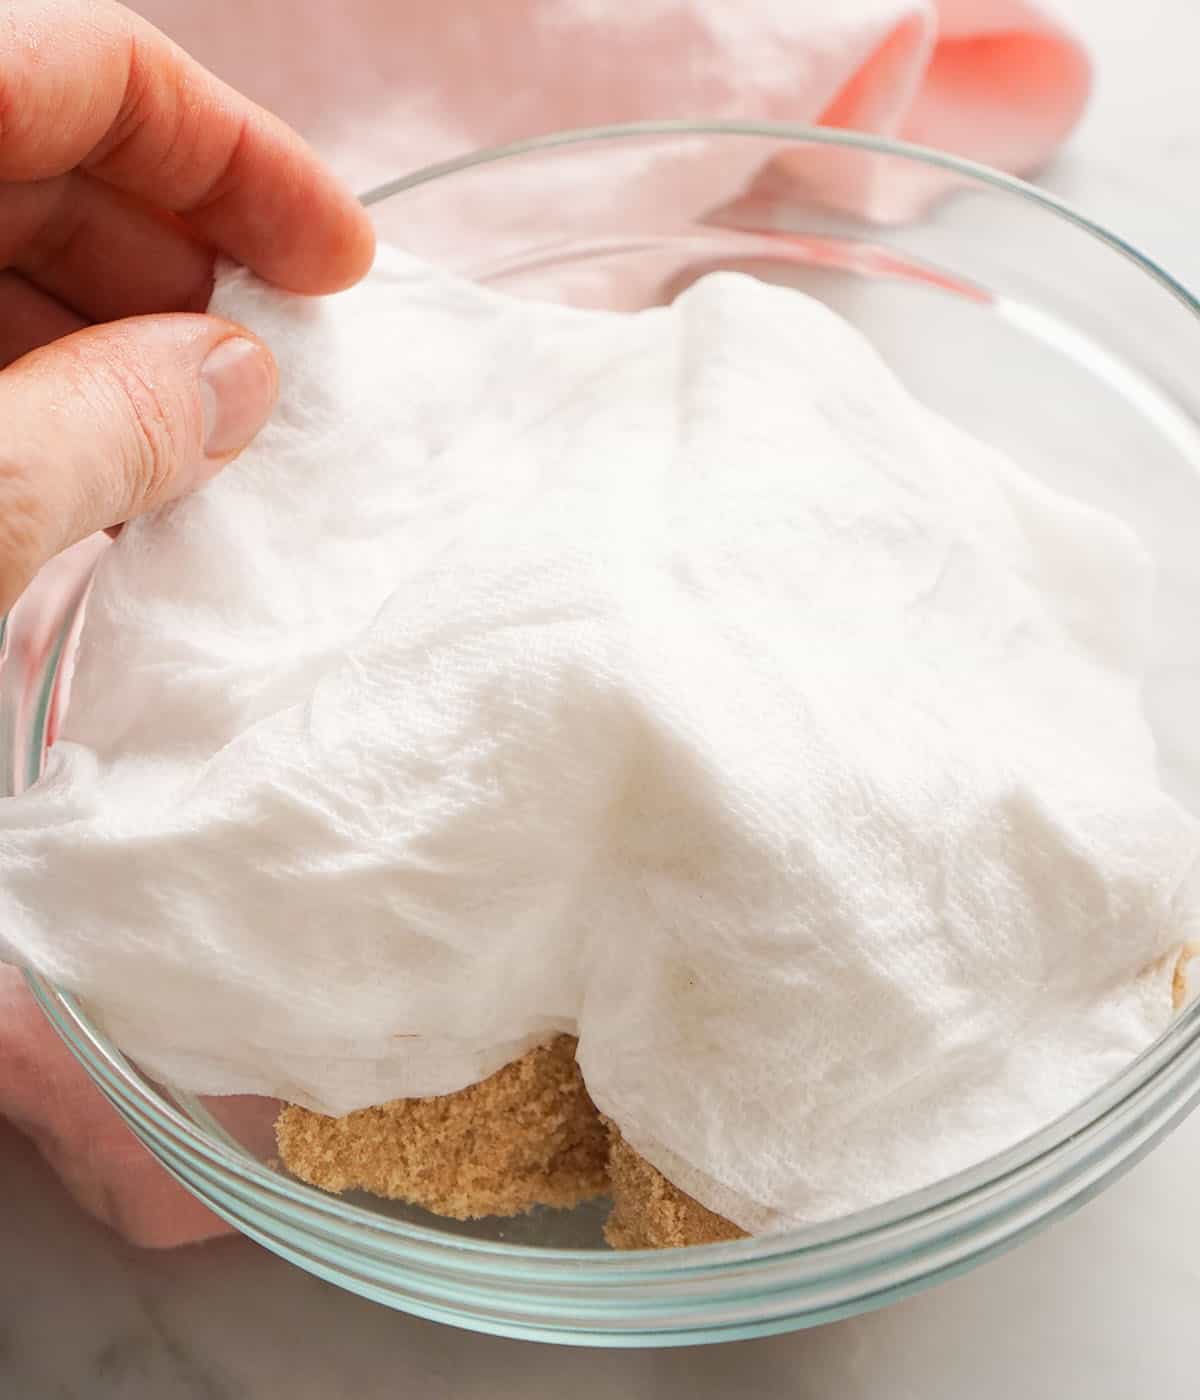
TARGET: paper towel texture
(674,679)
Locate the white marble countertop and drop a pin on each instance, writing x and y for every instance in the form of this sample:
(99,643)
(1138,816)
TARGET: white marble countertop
(1104,1306)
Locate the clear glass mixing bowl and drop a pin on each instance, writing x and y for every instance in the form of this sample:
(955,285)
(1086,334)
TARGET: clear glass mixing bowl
(1014,316)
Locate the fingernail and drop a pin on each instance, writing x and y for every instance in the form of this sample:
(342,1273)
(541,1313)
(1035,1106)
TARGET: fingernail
(237,386)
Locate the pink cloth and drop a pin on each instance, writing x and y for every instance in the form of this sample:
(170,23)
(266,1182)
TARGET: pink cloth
(382,86)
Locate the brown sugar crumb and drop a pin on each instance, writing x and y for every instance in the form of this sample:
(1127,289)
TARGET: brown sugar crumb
(528,1135)
(649,1212)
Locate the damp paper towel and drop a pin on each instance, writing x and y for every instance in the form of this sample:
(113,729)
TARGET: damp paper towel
(672,678)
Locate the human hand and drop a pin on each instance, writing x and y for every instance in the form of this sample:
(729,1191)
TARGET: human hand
(124,169)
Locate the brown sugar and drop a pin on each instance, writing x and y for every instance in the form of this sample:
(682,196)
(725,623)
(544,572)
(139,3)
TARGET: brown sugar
(649,1212)
(528,1135)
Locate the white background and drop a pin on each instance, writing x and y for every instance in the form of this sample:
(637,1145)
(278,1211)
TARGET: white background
(1105,1306)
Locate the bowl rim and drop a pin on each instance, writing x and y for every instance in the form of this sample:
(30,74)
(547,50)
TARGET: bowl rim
(1158,1082)
(795,132)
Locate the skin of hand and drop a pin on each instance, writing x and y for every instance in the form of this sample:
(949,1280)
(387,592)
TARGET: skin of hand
(125,169)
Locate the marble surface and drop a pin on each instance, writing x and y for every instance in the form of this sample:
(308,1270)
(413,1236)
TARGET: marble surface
(1102,1307)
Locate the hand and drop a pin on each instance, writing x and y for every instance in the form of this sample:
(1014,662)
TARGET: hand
(124,169)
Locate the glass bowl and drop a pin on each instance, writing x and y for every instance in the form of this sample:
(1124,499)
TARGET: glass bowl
(1003,309)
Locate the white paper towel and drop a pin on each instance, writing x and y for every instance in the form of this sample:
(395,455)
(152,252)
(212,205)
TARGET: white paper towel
(675,679)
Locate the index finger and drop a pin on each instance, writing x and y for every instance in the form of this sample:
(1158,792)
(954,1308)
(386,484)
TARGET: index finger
(88,83)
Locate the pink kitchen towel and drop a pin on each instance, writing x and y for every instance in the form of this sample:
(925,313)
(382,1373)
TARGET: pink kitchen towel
(383,86)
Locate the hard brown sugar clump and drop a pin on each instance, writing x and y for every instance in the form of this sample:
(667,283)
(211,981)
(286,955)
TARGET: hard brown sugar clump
(649,1212)
(529,1135)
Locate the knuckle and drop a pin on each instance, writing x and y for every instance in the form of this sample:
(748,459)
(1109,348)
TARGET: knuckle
(17,112)
(151,442)
(167,129)
(39,107)
(227,176)
(136,112)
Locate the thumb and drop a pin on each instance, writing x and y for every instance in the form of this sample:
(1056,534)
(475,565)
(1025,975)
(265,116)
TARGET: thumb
(115,420)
